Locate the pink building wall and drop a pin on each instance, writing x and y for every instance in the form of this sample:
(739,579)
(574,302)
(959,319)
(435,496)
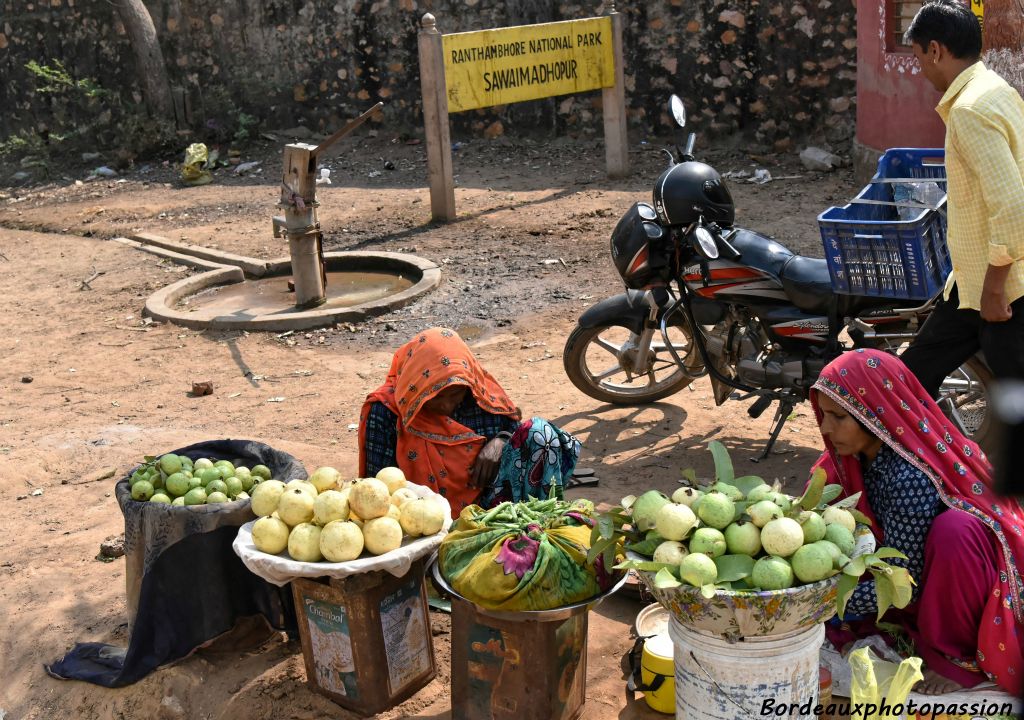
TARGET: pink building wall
(895,104)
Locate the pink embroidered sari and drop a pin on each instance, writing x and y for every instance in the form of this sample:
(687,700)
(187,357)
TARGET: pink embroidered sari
(878,390)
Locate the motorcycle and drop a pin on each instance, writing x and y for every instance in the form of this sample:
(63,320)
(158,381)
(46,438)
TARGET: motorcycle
(707,297)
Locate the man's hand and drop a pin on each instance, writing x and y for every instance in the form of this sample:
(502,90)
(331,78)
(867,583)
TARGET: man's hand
(994,307)
(485,469)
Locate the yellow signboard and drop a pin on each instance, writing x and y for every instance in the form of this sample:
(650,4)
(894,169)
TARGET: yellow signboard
(978,7)
(508,65)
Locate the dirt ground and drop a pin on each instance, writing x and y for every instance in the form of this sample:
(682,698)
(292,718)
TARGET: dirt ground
(89,384)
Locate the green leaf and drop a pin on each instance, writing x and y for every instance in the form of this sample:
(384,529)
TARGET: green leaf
(723,463)
(690,475)
(885,592)
(848,502)
(741,508)
(903,585)
(812,495)
(645,565)
(599,547)
(734,567)
(847,584)
(856,566)
(860,517)
(830,493)
(747,483)
(608,557)
(724,585)
(665,580)
(708,591)
(888,552)
(606,526)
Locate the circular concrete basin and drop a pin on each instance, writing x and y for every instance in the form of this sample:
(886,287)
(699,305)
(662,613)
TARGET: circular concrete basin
(359,285)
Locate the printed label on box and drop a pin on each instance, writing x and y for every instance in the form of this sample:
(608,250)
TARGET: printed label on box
(331,645)
(403,619)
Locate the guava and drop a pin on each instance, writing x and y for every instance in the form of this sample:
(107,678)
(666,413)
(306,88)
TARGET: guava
(785,502)
(743,538)
(216,497)
(202,464)
(370,499)
(393,512)
(304,542)
(393,477)
(686,496)
(671,552)
(403,495)
(730,491)
(840,516)
(811,563)
(708,541)
(325,478)
(234,485)
(142,490)
(295,506)
(170,463)
(645,509)
(227,468)
(772,573)
(242,496)
(261,471)
(216,486)
(833,550)
(341,541)
(716,510)
(381,535)
(177,484)
(194,482)
(178,501)
(329,506)
(421,516)
(160,498)
(763,512)
(246,478)
(209,475)
(270,535)
(265,497)
(195,496)
(782,537)
(304,485)
(759,493)
(813,526)
(698,569)
(834,533)
(674,522)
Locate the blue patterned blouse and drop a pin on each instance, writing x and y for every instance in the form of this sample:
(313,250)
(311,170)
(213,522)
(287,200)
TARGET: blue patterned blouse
(905,503)
(382,430)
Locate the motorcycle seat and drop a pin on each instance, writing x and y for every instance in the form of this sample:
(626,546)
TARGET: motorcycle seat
(807,283)
(760,251)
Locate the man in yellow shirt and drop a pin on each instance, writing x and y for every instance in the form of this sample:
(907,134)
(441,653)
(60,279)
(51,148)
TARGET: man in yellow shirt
(983,304)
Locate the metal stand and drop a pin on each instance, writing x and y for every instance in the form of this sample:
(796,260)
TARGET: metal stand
(785,409)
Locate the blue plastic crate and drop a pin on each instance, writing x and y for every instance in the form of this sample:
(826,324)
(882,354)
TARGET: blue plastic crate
(870,250)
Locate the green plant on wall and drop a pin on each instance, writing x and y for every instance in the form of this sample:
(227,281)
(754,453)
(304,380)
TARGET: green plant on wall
(55,78)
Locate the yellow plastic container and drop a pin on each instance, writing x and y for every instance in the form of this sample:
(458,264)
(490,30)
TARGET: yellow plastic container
(656,661)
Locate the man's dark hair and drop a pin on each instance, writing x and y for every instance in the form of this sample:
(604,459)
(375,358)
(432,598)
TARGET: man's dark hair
(951,24)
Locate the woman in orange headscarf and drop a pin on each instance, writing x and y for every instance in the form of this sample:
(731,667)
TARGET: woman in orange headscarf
(448,424)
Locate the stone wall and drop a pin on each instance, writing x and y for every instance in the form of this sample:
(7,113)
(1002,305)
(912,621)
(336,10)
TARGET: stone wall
(780,73)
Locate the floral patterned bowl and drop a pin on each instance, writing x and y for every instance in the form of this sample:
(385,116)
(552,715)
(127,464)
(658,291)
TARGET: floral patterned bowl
(736,614)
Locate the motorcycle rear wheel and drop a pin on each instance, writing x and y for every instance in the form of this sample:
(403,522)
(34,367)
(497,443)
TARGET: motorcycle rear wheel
(592,362)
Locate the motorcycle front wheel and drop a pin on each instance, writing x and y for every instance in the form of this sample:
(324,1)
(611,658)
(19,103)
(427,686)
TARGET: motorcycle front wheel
(598,362)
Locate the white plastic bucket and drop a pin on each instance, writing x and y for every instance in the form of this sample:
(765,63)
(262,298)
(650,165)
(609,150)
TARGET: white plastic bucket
(718,680)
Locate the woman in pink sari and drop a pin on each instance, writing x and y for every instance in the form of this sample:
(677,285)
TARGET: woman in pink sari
(927,490)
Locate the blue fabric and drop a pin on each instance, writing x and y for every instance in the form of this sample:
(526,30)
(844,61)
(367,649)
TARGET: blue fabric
(537,456)
(382,430)
(905,503)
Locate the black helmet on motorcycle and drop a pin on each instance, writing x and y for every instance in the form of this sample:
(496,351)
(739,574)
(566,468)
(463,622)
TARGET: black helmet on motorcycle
(639,249)
(690,190)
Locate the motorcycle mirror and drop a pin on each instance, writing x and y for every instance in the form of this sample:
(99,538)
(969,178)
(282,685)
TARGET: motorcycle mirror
(678,110)
(704,243)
